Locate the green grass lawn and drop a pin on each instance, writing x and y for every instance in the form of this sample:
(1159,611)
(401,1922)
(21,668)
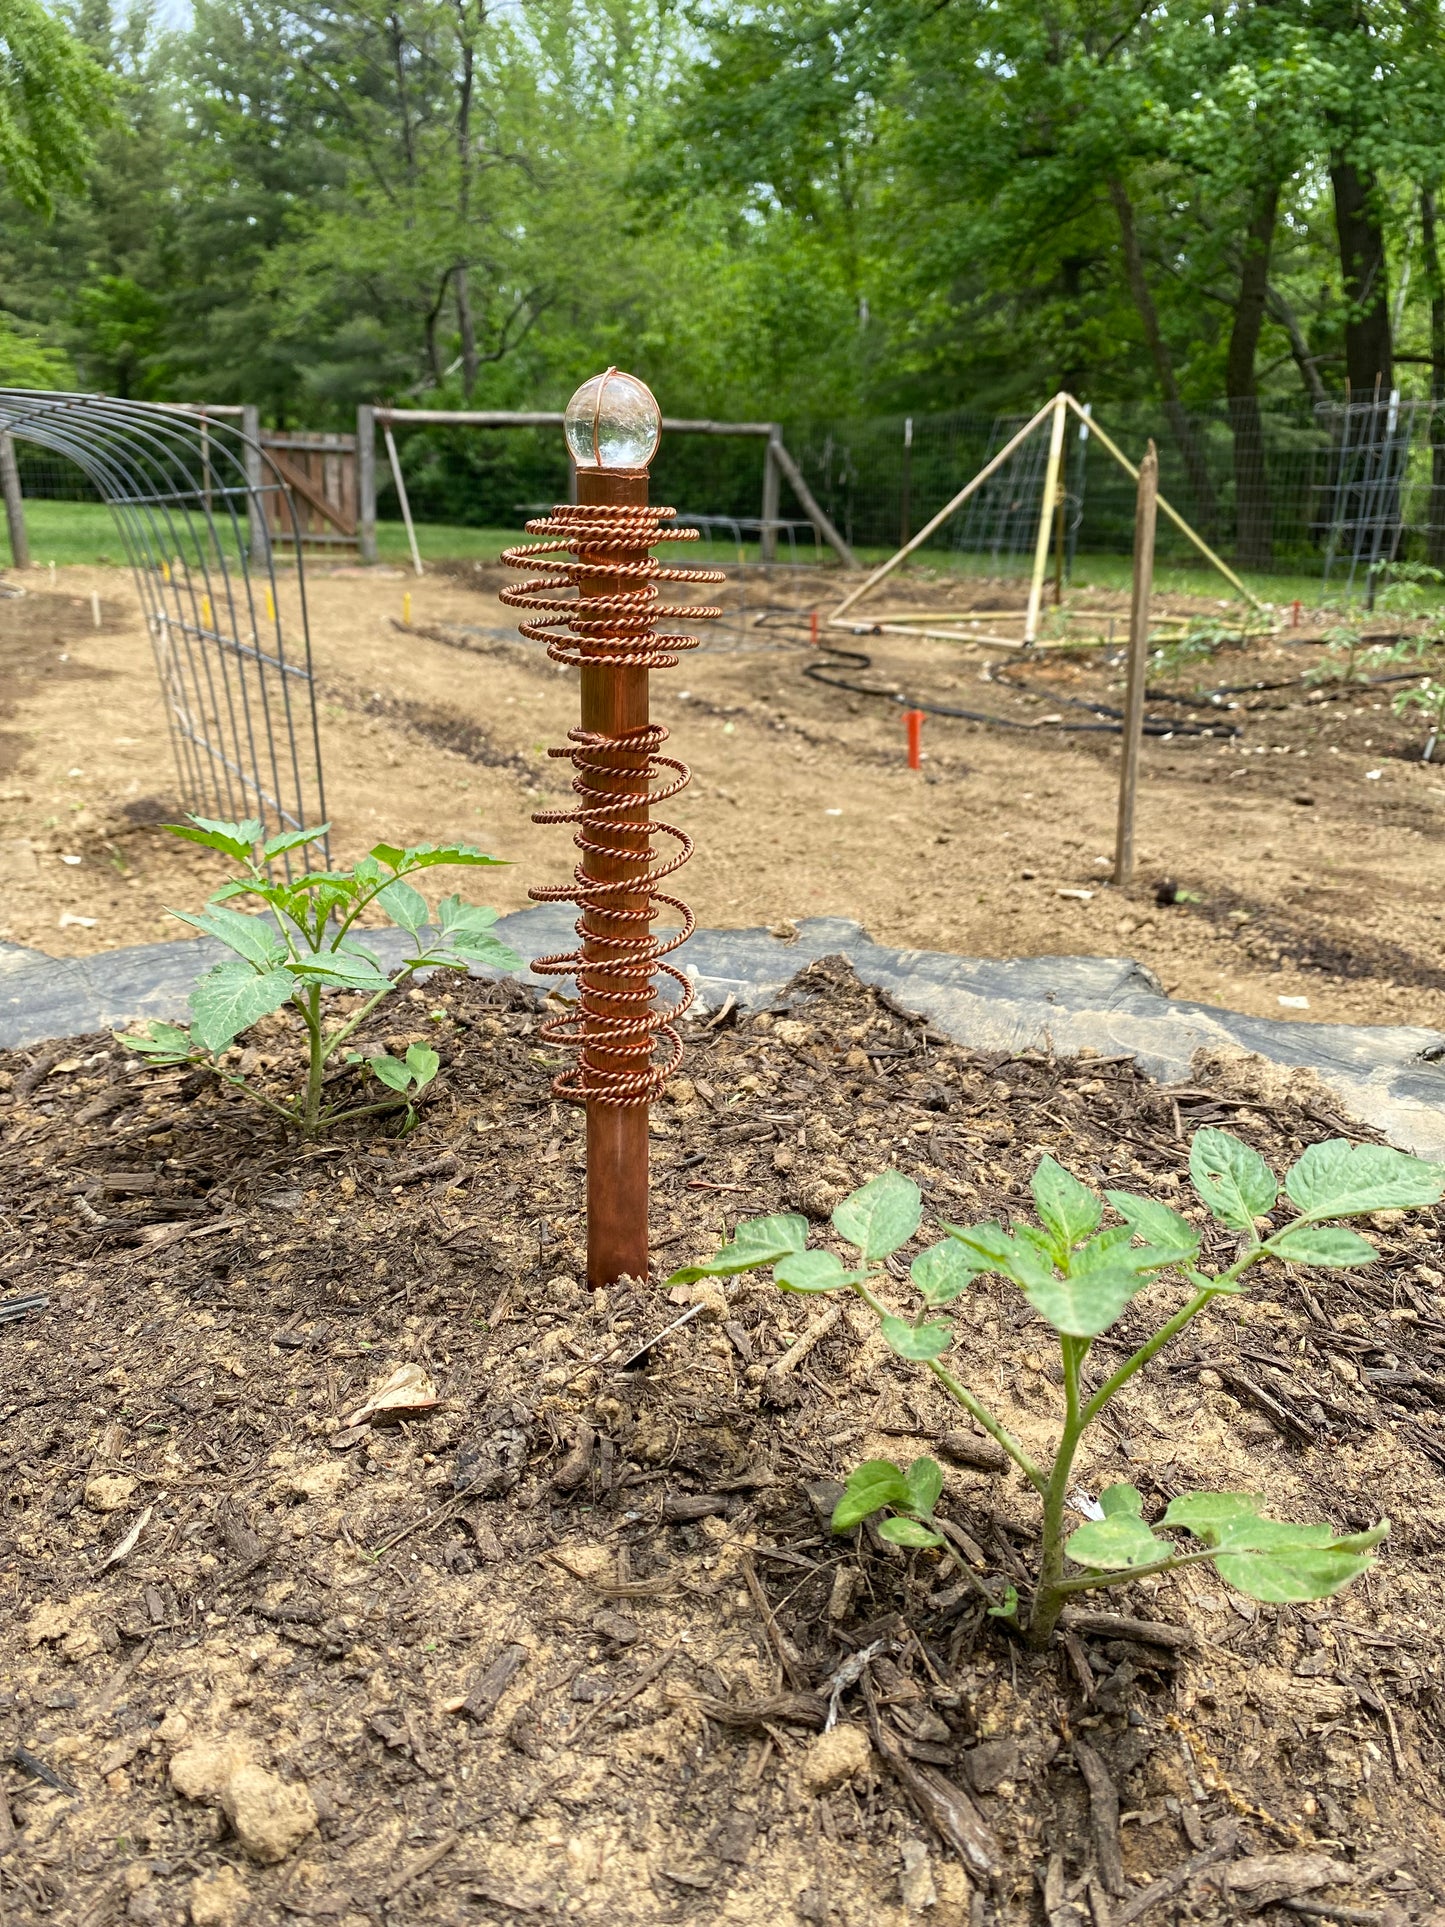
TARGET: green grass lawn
(86,532)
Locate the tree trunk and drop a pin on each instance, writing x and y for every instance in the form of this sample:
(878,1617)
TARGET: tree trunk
(1196,467)
(467,330)
(1309,372)
(1369,355)
(1253,511)
(1435,282)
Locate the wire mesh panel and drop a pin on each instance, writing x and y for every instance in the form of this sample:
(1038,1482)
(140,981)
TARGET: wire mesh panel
(186,492)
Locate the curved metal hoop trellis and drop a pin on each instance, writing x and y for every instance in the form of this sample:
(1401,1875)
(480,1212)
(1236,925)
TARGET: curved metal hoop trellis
(185,490)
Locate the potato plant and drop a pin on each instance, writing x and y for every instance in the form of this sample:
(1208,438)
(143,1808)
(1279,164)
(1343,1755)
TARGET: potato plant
(1428,696)
(302,945)
(1081,1275)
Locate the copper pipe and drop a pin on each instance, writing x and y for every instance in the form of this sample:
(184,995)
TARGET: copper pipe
(606,629)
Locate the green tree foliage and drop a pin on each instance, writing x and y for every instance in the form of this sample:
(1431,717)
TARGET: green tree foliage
(798,208)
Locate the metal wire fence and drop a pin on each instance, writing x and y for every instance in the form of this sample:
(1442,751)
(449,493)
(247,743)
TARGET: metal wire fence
(1336,494)
(186,495)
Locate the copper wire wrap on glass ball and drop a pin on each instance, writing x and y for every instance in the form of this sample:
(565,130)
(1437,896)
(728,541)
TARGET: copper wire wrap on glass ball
(618,1016)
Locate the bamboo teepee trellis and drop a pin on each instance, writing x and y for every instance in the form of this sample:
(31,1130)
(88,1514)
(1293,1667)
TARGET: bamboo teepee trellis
(965,625)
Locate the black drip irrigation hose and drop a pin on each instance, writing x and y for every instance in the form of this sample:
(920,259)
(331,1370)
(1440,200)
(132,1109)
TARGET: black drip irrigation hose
(839,658)
(832,656)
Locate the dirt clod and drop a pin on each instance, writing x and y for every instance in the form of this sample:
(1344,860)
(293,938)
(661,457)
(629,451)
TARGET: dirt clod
(833,1758)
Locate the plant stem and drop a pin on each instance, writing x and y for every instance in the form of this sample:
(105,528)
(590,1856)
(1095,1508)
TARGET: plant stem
(975,1408)
(1049,1595)
(339,1037)
(311,1014)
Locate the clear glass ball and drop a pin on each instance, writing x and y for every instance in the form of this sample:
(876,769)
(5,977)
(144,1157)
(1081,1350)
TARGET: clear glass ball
(613,421)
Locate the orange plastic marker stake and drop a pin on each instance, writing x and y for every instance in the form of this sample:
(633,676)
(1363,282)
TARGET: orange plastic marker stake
(913,719)
(813,627)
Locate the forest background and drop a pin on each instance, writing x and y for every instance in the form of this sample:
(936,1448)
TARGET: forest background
(799,210)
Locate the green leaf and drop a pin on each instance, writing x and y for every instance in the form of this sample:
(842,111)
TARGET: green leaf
(253,938)
(480,947)
(291,840)
(998,1250)
(1121,1501)
(1115,1544)
(1158,1226)
(1232,1179)
(1087,1303)
(1008,1606)
(1340,1180)
(871,1486)
(453,914)
(345,969)
(908,1532)
(882,1215)
(1321,1244)
(425,856)
(232,839)
(760,1241)
(1273,1560)
(918,1342)
(390,1071)
(405,906)
(228,999)
(167,1041)
(423,1063)
(943,1271)
(925,1486)
(1068,1208)
(813,1271)
(1290,1575)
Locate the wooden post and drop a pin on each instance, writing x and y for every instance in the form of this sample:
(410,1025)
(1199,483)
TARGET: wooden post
(1059,552)
(1046,518)
(1145,516)
(366,481)
(768,535)
(905,506)
(255,484)
(613,700)
(14,504)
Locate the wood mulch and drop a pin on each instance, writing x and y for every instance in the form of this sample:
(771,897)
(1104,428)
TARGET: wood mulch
(560,1644)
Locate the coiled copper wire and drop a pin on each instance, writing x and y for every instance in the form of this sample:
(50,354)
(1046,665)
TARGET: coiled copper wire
(618,1026)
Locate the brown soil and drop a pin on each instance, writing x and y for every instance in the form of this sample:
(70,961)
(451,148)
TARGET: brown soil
(1304,874)
(557,1648)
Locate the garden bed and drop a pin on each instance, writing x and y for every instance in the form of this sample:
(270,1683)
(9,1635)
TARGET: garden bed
(560,1645)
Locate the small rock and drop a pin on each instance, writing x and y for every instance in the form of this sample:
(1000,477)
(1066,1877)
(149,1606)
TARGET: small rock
(1211,1381)
(109,1491)
(202,1770)
(835,1757)
(271,1818)
(220,1899)
(990,1763)
(680,1090)
(915,1883)
(49,1622)
(322,1481)
(711,1296)
(174,1727)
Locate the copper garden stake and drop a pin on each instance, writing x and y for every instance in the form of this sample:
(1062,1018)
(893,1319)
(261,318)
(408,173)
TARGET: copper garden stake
(606,630)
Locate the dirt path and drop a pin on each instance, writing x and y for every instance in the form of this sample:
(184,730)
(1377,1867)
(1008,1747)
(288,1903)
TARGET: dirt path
(1306,848)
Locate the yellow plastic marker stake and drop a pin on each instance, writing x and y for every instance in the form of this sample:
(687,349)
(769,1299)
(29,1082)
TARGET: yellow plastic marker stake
(166,571)
(270,606)
(205,612)
(406,608)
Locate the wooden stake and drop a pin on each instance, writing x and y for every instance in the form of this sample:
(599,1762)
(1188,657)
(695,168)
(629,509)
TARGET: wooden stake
(1046,517)
(613,700)
(1146,511)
